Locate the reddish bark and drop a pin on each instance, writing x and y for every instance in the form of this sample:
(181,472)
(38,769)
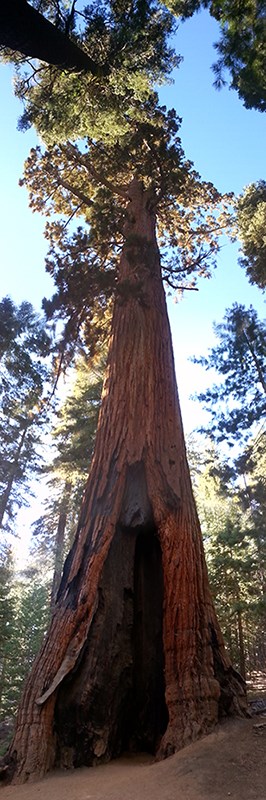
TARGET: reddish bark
(134,656)
(59,542)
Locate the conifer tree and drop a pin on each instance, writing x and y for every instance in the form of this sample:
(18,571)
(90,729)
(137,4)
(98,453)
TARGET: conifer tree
(231,505)
(24,351)
(229,552)
(29,599)
(6,612)
(251,221)
(241,48)
(238,401)
(73,440)
(134,629)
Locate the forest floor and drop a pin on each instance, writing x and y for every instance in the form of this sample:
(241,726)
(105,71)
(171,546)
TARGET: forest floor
(229,763)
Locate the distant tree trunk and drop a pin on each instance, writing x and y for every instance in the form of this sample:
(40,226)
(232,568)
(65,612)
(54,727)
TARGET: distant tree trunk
(25,30)
(12,475)
(2,676)
(242,660)
(134,657)
(59,543)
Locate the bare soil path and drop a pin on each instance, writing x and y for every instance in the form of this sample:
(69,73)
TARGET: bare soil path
(230,763)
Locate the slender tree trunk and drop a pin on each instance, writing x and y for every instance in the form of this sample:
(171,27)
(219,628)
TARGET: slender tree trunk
(242,659)
(256,361)
(59,543)
(12,476)
(2,677)
(134,657)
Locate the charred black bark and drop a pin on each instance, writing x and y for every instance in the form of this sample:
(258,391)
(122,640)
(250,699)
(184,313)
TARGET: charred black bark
(115,699)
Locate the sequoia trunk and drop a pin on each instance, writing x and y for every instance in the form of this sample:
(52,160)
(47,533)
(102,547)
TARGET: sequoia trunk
(59,542)
(134,657)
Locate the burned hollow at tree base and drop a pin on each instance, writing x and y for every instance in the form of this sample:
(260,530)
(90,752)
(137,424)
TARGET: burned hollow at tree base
(115,700)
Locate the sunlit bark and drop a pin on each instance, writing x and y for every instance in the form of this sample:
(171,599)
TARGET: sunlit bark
(134,657)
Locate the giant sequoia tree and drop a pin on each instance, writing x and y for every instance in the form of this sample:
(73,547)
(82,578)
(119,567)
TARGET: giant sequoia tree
(134,656)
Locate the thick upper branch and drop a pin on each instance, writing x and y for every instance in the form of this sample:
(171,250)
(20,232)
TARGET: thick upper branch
(24,29)
(73,153)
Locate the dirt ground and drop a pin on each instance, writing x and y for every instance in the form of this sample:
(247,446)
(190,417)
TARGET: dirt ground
(229,763)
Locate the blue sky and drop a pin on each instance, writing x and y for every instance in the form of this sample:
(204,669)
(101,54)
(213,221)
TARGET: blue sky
(226,143)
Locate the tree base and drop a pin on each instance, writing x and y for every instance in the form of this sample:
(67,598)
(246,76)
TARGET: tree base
(116,699)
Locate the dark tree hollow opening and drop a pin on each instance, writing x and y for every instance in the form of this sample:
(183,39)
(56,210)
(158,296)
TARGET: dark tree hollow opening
(150,715)
(115,700)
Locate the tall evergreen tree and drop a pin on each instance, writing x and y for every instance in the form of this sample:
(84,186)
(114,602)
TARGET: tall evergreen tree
(229,551)
(6,612)
(73,438)
(24,351)
(251,467)
(251,221)
(241,48)
(134,628)
(238,401)
(29,596)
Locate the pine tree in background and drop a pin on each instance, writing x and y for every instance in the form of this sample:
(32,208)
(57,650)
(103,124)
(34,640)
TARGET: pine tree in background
(241,48)
(238,401)
(6,613)
(229,550)
(251,223)
(237,406)
(29,598)
(24,371)
(231,505)
(74,439)
(251,466)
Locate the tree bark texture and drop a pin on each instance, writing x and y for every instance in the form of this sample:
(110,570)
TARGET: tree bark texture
(134,658)
(24,29)
(59,542)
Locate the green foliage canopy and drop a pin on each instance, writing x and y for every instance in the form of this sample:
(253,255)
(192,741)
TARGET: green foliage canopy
(239,399)
(73,442)
(30,615)
(231,507)
(132,39)
(242,46)
(24,370)
(251,221)
(91,182)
